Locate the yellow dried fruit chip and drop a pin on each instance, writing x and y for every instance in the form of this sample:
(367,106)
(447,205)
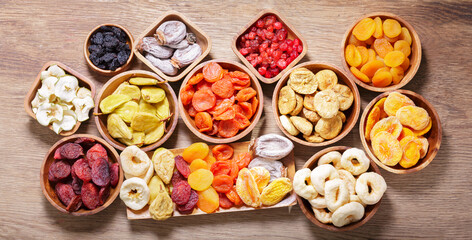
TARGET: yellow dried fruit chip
(110,103)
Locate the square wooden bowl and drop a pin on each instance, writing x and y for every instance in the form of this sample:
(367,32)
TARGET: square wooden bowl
(83,82)
(202,39)
(292,34)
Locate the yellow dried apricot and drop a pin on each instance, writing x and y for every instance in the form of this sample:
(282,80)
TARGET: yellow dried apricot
(200,180)
(397,74)
(387,148)
(354,41)
(247,189)
(197,150)
(382,78)
(383,69)
(370,40)
(425,130)
(378,33)
(411,151)
(391,28)
(210,160)
(353,56)
(394,58)
(382,47)
(359,75)
(372,119)
(391,125)
(261,176)
(364,29)
(391,40)
(276,191)
(405,35)
(372,55)
(380,104)
(370,68)
(406,64)
(402,46)
(208,200)
(395,101)
(198,164)
(405,132)
(414,117)
(364,54)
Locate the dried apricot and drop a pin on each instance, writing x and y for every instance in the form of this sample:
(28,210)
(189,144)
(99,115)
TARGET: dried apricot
(186,94)
(204,85)
(425,130)
(372,119)
(233,196)
(233,169)
(242,121)
(405,132)
(397,74)
(191,111)
(246,108)
(200,180)
(411,151)
(391,28)
(203,121)
(353,56)
(223,88)
(239,78)
(247,189)
(406,64)
(254,104)
(224,201)
(370,68)
(414,117)
(195,79)
(364,29)
(402,46)
(228,128)
(222,106)
(354,41)
(391,125)
(360,75)
(372,55)
(395,101)
(242,159)
(246,94)
(405,35)
(382,79)
(387,148)
(222,183)
(378,33)
(212,72)
(382,47)
(261,176)
(222,152)
(197,150)
(226,115)
(364,54)
(198,164)
(220,167)
(394,58)
(203,100)
(208,200)
(210,160)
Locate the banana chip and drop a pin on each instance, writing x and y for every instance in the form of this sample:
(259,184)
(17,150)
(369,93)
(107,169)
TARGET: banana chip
(329,128)
(287,100)
(299,106)
(326,103)
(345,96)
(327,79)
(303,81)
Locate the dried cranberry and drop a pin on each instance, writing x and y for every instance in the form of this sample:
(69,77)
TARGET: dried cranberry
(260,23)
(278,25)
(282,64)
(262,70)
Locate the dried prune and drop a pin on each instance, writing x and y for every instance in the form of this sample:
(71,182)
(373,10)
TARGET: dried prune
(76,185)
(114,174)
(108,57)
(109,49)
(71,151)
(90,196)
(100,172)
(103,194)
(122,57)
(75,204)
(97,38)
(60,169)
(176,178)
(64,192)
(96,152)
(181,193)
(182,166)
(82,170)
(190,205)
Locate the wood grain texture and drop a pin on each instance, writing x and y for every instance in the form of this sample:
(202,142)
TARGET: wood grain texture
(433,203)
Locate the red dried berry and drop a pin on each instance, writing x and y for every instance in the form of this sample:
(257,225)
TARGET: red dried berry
(260,23)
(224,201)
(76,185)
(190,205)
(176,178)
(75,204)
(60,169)
(278,25)
(96,152)
(114,174)
(181,193)
(82,170)
(71,151)
(90,196)
(182,166)
(100,172)
(103,195)
(64,192)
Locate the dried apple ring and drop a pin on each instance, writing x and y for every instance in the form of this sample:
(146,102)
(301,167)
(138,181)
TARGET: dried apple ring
(378,33)
(336,194)
(355,161)
(348,213)
(320,175)
(370,187)
(327,78)
(287,100)
(395,101)
(318,202)
(411,151)
(372,119)
(387,148)
(329,128)
(302,184)
(391,28)
(360,75)
(382,46)
(333,157)
(350,180)
(353,56)
(322,215)
(364,29)
(414,117)
(391,125)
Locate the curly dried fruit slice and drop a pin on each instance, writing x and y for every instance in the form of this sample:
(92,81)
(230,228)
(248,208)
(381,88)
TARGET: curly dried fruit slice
(391,125)
(247,189)
(395,101)
(414,117)
(387,148)
(411,151)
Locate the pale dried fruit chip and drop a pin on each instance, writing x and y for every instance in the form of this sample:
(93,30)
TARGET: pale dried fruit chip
(345,96)
(315,138)
(67,123)
(287,100)
(390,124)
(153,94)
(413,117)
(164,162)
(117,128)
(247,189)
(261,176)
(326,103)
(326,79)
(288,125)
(303,81)
(127,111)
(299,106)
(147,107)
(47,87)
(82,107)
(395,101)
(309,101)
(155,134)
(144,121)
(110,103)
(310,115)
(143,81)
(56,71)
(276,191)
(66,88)
(130,90)
(387,148)
(303,125)
(329,128)
(49,112)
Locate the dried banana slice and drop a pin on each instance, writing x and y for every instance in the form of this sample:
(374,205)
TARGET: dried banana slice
(303,81)
(153,94)
(310,115)
(117,128)
(355,161)
(329,128)
(333,157)
(303,125)
(130,90)
(299,106)
(349,213)
(66,88)
(336,194)
(326,79)
(144,121)
(287,100)
(155,134)
(143,81)
(370,187)
(309,101)
(320,175)
(326,103)
(302,184)
(315,138)
(322,215)
(276,191)
(134,193)
(288,125)
(164,162)
(110,103)
(134,161)
(127,111)
(345,96)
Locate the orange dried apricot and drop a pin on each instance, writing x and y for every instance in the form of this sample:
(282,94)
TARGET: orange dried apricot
(212,72)
(233,196)
(402,46)
(242,121)
(186,94)
(394,58)
(245,94)
(234,170)
(414,117)
(228,128)
(391,28)
(372,55)
(197,150)
(200,179)
(424,146)
(191,111)
(354,41)
(372,119)
(382,47)
(246,109)
(406,64)
(208,200)
(395,101)
(353,56)
(210,160)
(383,69)
(222,183)
(198,164)
(370,68)
(387,148)
(397,74)
(242,159)
(223,88)
(222,152)
(239,78)
(378,33)
(380,104)
(254,104)
(391,40)
(203,121)
(247,189)
(370,40)
(382,79)
(405,132)
(221,167)
(405,35)
(359,75)
(228,114)
(195,79)
(391,125)
(261,176)
(203,100)
(364,54)
(411,151)
(425,130)
(364,29)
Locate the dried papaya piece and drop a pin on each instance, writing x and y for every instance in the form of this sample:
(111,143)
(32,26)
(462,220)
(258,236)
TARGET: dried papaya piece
(242,159)
(382,46)
(391,28)
(364,29)
(395,101)
(387,148)
(405,132)
(360,75)
(200,179)
(246,108)
(233,196)
(203,121)
(226,115)
(247,189)
(354,41)
(405,35)
(208,200)
(382,79)
(372,119)
(222,152)
(186,94)
(423,131)
(212,72)
(378,33)
(411,151)
(222,183)
(203,100)
(223,88)
(353,56)
(402,46)
(197,150)
(364,54)
(239,78)
(414,117)
(370,68)
(198,164)
(242,121)
(246,94)
(397,74)
(228,128)
(394,58)
(391,125)
(195,79)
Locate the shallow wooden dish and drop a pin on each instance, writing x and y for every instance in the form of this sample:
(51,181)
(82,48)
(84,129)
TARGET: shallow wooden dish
(351,114)
(83,82)
(110,87)
(48,190)
(292,34)
(370,210)
(231,66)
(125,66)
(239,147)
(434,135)
(202,39)
(415,56)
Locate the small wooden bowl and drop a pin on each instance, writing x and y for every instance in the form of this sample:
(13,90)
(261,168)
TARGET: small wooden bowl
(434,135)
(351,114)
(231,66)
(415,57)
(370,210)
(125,66)
(48,189)
(111,86)
(202,39)
(83,82)
(292,34)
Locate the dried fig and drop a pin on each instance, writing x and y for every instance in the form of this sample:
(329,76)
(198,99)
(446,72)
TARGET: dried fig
(329,128)
(303,125)
(287,100)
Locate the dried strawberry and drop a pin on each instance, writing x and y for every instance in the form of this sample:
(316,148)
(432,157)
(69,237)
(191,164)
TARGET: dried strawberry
(114,174)
(103,194)
(190,205)
(90,196)
(96,152)
(182,166)
(181,193)
(51,176)
(176,178)
(74,204)
(82,170)
(71,151)
(60,169)
(85,142)
(100,172)
(65,193)
(57,154)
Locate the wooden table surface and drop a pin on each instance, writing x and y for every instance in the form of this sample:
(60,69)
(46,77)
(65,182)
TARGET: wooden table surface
(432,203)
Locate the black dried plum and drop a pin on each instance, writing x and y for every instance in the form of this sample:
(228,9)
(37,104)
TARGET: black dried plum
(101,66)
(95,48)
(108,49)
(105,28)
(97,38)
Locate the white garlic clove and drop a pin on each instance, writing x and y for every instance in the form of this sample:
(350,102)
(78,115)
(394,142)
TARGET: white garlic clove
(66,88)
(83,92)
(48,113)
(45,74)
(56,71)
(82,107)
(47,87)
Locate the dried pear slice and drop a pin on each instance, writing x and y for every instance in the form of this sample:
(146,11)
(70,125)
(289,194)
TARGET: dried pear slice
(144,121)
(153,94)
(329,128)
(309,101)
(303,81)
(326,103)
(315,138)
(287,100)
(327,79)
(143,81)
(130,90)
(163,109)
(288,125)
(137,139)
(299,106)
(303,125)
(147,107)
(345,96)
(127,111)
(110,103)
(155,134)
(117,128)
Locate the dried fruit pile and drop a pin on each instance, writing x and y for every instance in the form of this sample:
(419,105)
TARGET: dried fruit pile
(313,104)
(339,188)
(267,47)
(171,48)
(60,101)
(378,51)
(395,128)
(82,174)
(221,102)
(138,111)
(108,48)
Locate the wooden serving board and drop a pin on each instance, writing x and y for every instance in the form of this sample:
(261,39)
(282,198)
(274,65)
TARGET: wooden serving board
(239,147)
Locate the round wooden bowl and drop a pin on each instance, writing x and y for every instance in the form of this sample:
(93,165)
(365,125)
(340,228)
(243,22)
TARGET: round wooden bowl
(112,85)
(415,56)
(231,66)
(125,66)
(370,210)
(48,189)
(434,135)
(351,114)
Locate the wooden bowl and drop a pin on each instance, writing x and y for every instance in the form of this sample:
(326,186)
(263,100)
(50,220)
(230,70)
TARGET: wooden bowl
(292,34)
(125,66)
(434,135)
(351,114)
(202,39)
(415,57)
(48,189)
(370,210)
(83,82)
(231,66)
(111,86)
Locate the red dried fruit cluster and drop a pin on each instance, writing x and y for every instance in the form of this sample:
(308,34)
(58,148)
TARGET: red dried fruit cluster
(182,194)
(267,48)
(83,179)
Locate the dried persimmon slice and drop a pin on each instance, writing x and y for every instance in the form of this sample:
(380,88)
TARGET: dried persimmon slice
(212,72)
(203,100)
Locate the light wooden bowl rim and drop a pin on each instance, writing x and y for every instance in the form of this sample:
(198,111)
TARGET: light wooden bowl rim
(432,149)
(44,175)
(415,51)
(126,75)
(37,84)
(355,107)
(255,118)
(309,213)
(289,28)
(109,72)
(188,23)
